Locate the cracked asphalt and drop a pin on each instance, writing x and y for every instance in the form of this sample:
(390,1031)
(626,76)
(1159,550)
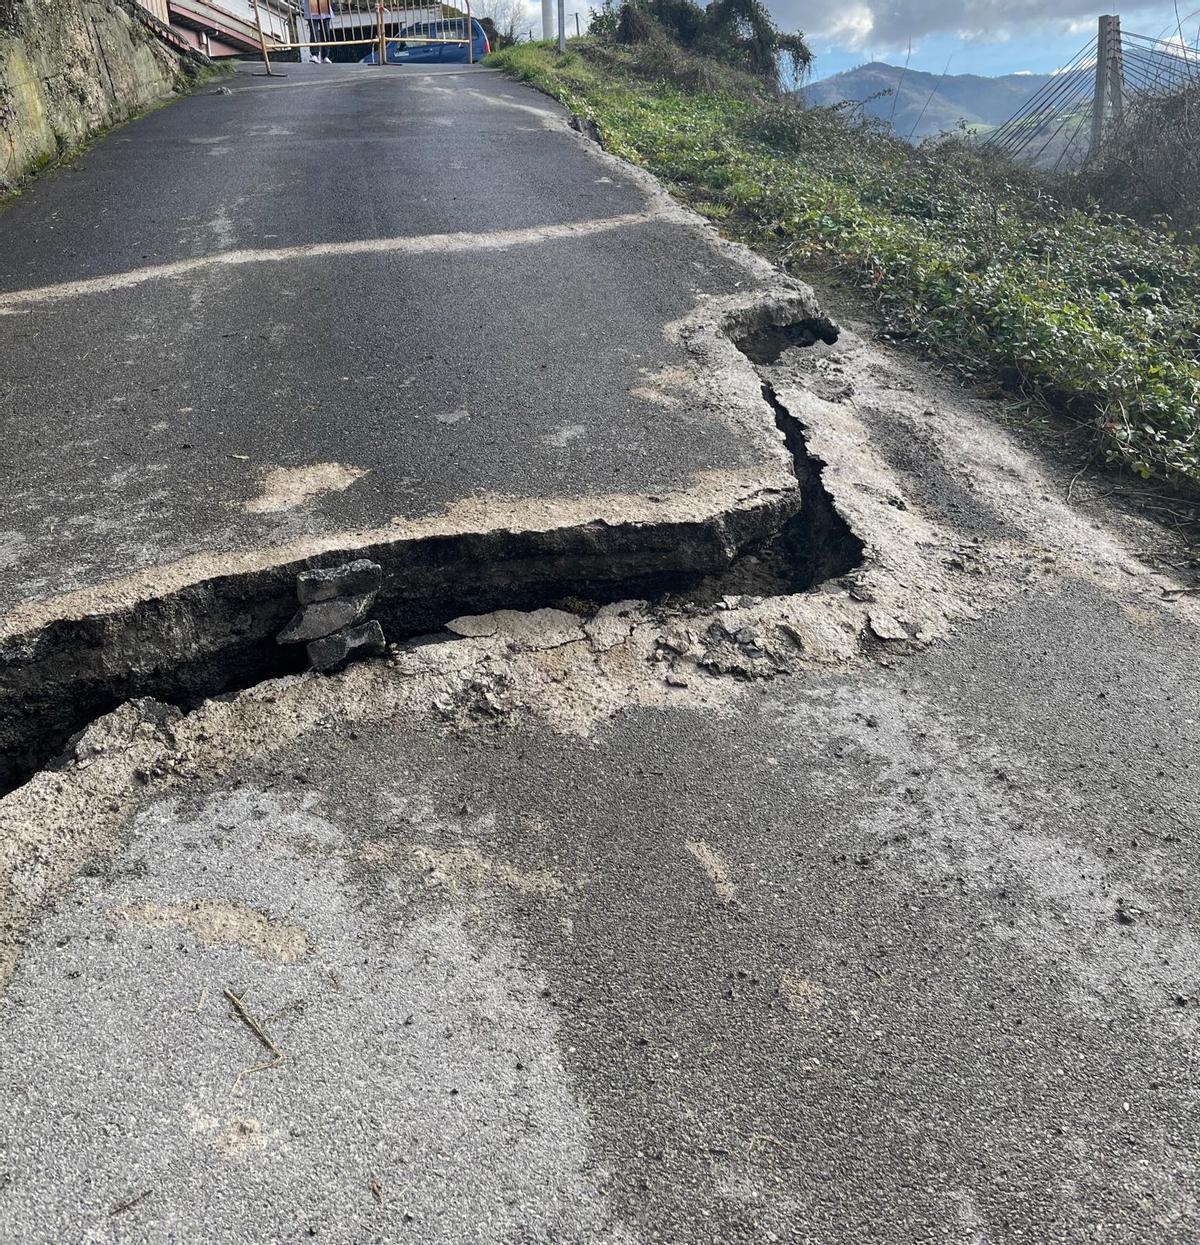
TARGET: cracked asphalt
(932,975)
(517,353)
(859,914)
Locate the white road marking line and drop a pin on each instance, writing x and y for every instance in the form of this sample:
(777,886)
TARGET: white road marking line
(422,244)
(368,74)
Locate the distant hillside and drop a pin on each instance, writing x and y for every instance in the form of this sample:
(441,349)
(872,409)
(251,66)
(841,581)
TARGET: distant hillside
(958,97)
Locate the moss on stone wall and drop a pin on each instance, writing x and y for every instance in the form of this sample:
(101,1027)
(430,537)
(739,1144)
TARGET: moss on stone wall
(70,68)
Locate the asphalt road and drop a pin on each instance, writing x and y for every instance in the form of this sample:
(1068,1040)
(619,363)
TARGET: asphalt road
(495,306)
(847,964)
(858,915)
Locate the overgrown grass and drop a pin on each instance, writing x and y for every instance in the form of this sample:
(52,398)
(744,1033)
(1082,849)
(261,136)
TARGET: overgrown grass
(982,264)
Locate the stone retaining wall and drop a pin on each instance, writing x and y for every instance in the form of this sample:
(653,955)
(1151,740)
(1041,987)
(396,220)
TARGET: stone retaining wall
(69,68)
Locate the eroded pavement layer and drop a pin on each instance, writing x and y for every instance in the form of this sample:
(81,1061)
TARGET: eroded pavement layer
(856,912)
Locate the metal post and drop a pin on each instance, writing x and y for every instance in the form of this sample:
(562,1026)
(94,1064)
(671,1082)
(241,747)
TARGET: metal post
(576,23)
(547,20)
(470,35)
(562,26)
(299,33)
(262,43)
(382,36)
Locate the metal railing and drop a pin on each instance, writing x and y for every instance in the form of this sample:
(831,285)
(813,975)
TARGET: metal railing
(325,25)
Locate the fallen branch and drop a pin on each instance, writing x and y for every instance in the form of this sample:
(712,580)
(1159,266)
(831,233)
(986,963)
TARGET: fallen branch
(122,1207)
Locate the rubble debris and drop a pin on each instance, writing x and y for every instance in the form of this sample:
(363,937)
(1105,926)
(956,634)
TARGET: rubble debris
(333,600)
(886,627)
(588,128)
(351,579)
(324,618)
(524,629)
(330,652)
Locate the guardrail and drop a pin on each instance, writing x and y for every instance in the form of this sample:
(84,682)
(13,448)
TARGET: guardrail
(325,25)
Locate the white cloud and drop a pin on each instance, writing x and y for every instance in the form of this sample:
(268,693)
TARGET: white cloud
(851,25)
(888,25)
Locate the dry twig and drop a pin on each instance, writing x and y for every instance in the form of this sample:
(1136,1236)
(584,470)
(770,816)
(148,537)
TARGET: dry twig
(255,1027)
(122,1207)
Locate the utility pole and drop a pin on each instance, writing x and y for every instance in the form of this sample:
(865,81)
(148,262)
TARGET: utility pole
(562,26)
(547,20)
(1110,79)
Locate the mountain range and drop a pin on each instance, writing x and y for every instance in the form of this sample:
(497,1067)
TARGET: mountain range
(926,103)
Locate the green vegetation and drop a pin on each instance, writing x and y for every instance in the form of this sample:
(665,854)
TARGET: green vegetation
(730,34)
(981,264)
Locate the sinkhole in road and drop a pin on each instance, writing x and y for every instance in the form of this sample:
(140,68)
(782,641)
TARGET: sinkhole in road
(217,637)
(764,343)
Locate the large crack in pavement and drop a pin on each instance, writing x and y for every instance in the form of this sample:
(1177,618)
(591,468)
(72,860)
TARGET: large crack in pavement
(908,511)
(918,571)
(217,635)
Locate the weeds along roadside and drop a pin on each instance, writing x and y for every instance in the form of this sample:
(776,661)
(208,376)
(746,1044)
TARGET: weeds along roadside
(982,264)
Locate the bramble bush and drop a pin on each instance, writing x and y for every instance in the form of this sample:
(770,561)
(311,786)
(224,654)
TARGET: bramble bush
(975,261)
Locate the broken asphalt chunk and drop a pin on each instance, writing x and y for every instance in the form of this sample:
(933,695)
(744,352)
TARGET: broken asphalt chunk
(352,579)
(323,618)
(332,651)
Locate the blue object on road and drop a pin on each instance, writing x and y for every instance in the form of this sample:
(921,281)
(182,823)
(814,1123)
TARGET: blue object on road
(403,51)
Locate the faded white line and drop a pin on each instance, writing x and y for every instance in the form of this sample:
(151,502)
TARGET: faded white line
(395,73)
(422,244)
(503,101)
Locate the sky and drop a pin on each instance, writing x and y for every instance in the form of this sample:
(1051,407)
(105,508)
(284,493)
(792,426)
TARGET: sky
(976,36)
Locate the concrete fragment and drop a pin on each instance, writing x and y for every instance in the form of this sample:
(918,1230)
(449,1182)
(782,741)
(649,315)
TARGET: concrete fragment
(525,629)
(351,579)
(588,128)
(324,618)
(332,651)
(886,627)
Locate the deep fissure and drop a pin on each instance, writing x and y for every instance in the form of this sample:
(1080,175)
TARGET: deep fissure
(218,637)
